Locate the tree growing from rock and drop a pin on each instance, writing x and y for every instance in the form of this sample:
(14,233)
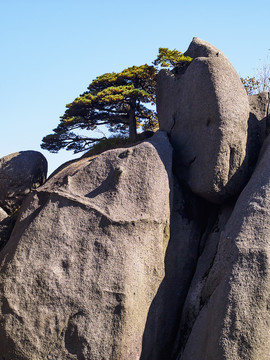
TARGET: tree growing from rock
(117,100)
(171,58)
(120,101)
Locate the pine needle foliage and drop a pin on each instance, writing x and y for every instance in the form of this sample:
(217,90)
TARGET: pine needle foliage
(171,58)
(123,102)
(117,100)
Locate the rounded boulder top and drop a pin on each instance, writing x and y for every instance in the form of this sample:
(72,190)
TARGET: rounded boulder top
(205,111)
(200,48)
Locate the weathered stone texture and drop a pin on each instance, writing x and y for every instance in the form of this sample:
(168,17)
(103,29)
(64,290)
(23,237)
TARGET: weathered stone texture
(233,321)
(257,127)
(217,219)
(206,111)
(86,258)
(201,48)
(180,263)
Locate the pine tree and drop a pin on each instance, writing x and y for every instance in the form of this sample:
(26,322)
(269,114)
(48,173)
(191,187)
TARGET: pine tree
(119,101)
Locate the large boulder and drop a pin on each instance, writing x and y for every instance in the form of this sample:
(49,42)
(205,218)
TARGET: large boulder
(232,319)
(20,173)
(205,111)
(86,258)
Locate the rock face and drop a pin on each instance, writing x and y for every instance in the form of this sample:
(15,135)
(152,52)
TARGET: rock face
(233,320)
(19,174)
(186,224)
(134,255)
(259,106)
(195,298)
(205,110)
(86,258)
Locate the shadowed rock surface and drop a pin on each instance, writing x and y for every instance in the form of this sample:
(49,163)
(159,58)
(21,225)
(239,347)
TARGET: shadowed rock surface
(186,224)
(6,227)
(86,258)
(20,173)
(195,299)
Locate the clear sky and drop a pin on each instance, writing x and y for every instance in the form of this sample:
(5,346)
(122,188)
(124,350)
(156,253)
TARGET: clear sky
(51,50)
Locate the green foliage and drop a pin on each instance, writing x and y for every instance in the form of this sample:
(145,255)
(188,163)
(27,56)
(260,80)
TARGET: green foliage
(261,81)
(170,58)
(251,85)
(119,101)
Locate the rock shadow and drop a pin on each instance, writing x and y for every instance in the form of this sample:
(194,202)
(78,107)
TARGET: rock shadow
(256,135)
(191,218)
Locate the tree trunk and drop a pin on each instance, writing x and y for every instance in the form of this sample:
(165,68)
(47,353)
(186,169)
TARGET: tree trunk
(132,122)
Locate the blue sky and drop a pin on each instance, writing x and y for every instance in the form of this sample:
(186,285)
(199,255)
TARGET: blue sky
(51,50)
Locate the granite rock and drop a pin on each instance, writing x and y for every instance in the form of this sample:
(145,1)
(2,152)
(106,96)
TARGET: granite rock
(86,257)
(205,111)
(233,320)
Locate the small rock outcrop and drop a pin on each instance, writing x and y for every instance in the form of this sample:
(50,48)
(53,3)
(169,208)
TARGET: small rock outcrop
(20,173)
(205,110)
(86,257)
